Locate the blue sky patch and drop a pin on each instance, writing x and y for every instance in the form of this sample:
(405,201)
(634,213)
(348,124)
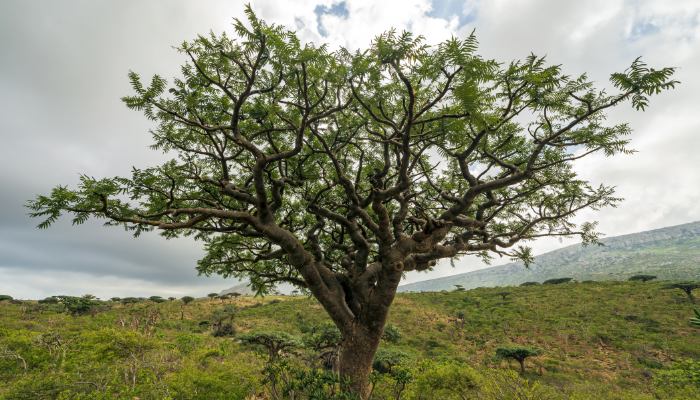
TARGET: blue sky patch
(444,9)
(336,9)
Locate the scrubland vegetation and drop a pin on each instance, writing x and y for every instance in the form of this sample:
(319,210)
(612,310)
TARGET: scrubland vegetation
(606,340)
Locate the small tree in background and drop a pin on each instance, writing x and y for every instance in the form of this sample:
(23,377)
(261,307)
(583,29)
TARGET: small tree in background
(234,294)
(212,296)
(156,299)
(4,297)
(129,300)
(643,278)
(503,294)
(696,321)
(49,300)
(222,298)
(529,284)
(185,300)
(275,341)
(172,298)
(460,288)
(115,299)
(519,353)
(392,334)
(686,286)
(557,281)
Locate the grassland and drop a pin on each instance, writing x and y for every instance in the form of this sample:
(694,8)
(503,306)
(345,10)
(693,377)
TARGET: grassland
(601,340)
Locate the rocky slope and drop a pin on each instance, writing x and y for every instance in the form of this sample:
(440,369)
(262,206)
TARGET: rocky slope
(669,253)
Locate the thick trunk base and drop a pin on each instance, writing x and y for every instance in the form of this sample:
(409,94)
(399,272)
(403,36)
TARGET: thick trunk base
(356,358)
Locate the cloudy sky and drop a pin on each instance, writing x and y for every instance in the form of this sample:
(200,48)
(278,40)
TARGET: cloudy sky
(63,68)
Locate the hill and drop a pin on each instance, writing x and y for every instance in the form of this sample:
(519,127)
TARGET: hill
(602,340)
(669,253)
(243,288)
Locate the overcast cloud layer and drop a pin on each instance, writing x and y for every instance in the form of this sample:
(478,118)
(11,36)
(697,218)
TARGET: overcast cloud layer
(63,69)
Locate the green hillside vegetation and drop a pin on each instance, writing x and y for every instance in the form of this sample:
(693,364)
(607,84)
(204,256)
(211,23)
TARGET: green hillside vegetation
(671,253)
(600,340)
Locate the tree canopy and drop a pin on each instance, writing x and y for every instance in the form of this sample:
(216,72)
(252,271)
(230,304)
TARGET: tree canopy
(643,278)
(519,353)
(686,286)
(557,281)
(339,172)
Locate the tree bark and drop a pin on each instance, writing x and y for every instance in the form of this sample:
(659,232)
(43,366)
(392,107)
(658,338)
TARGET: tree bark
(522,365)
(356,358)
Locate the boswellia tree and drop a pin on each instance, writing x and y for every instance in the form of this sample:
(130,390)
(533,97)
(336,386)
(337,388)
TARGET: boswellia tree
(340,172)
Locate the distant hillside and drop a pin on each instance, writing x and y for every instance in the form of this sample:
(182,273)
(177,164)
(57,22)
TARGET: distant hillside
(241,288)
(669,253)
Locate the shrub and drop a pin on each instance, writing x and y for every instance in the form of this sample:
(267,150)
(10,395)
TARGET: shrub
(530,284)
(385,359)
(643,278)
(556,281)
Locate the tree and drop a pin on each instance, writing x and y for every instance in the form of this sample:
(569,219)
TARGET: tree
(78,306)
(460,288)
(319,169)
(185,301)
(156,299)
(234,294)
(212,296)
(503,294)
(49,300)
(115,299)
(643,278)
(172,298)
(222,298)
(519,353)
(530,284)
(275,341)
(686,286)
(557,281)
(129,300)
(696,321)
(4,297)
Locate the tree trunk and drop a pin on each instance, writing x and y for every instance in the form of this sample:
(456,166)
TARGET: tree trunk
(356,358)
(522,366)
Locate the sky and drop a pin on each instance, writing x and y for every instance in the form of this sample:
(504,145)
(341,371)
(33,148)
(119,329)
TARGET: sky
(64,65)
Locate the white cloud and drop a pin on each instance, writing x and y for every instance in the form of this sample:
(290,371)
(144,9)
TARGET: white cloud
(64,69)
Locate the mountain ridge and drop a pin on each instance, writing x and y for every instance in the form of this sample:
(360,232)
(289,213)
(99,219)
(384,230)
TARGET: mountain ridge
(670,253)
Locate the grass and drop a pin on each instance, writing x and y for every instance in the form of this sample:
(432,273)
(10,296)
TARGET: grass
(605,334)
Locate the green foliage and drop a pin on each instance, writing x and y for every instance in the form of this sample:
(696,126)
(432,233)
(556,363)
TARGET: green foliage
(49,300)
(78,305)
(696,321)
(187,299)
(557,281)
(686,286)
(643,278)
(518,353)
(4,297)
(503,294)
(322,336)
(683,373)
(450,379)
(529,284)
(387,358)
(156,299)
(392,334)
(274,341)
(212,295)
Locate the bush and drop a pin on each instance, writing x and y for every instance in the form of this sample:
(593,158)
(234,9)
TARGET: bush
(556,281)
(385,359)
(530,284)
